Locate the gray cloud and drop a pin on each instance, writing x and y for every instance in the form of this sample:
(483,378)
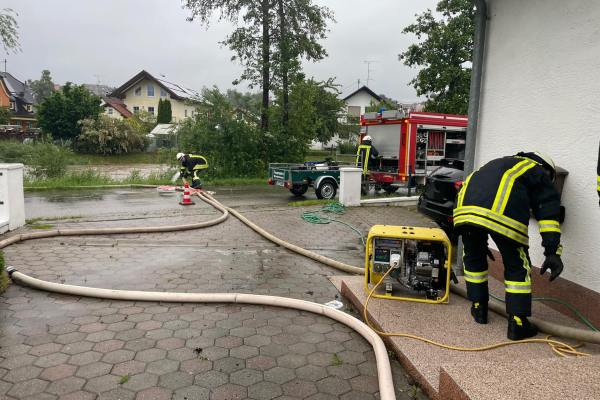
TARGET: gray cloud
(117,38)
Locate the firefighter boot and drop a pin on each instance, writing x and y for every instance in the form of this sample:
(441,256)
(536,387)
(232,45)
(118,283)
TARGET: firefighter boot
(479,311)
(520,328)
(196,184)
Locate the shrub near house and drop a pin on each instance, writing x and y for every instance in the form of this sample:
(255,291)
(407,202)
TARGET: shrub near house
(112,136)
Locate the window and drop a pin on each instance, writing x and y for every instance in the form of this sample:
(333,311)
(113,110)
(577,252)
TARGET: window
(12,105)
(136,109)
(186,112)
(29,107)
(163,92)
(138,92)
(150,90)
(192,113)
(151,110)
(109,111)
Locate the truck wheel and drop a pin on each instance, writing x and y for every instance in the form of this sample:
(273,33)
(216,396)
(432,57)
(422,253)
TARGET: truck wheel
(389,189)
(299,190)
(327,190)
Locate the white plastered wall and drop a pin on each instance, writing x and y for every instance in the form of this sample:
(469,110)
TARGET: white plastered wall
(540,91)
(362,99)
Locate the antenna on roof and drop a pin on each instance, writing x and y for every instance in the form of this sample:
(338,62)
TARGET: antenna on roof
(369,70)
(162,75)
(98,82)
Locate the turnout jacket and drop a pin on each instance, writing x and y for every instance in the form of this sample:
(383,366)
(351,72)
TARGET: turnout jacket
(499,195)
(366,154)
(193,162)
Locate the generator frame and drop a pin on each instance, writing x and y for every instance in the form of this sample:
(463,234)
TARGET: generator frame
(405,233)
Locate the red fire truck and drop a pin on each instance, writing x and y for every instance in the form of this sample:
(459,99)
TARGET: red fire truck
(412,147)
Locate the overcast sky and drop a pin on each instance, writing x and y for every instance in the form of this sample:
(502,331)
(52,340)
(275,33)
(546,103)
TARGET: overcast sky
(78,39)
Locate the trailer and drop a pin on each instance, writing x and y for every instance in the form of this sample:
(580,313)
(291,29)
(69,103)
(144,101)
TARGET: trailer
(411,147)
(323,176)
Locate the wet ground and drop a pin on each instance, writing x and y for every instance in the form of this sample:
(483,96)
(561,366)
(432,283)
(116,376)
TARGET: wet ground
(106,202)
(59,347)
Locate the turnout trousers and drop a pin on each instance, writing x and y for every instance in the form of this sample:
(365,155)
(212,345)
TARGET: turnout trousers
(517,269)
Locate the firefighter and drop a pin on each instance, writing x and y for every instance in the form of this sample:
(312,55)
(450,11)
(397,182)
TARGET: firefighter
(495,201)
(367,155)
(191,165)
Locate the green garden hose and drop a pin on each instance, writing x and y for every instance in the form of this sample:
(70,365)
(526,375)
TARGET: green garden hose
(322,216)
(556,301)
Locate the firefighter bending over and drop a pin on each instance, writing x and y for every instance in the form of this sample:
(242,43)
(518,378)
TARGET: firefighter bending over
(495,201)
(191,165)
(367,155)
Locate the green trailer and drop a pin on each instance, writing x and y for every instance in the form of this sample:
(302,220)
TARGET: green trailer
(323,176)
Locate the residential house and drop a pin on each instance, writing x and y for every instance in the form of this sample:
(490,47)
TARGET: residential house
(359,100)
(16,96)
(97,89)
(115,108)
(143,91)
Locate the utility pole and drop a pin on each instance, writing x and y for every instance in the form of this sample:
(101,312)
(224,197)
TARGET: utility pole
(98,82)
(369,70)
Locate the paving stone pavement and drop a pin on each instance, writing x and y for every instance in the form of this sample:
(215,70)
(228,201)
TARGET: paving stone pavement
(54,346)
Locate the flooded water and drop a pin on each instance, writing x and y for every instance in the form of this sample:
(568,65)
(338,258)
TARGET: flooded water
(105,202)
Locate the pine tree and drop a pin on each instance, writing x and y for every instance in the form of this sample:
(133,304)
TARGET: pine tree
(161,112)
(168,111)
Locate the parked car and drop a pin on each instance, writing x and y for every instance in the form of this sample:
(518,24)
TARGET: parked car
(441,187)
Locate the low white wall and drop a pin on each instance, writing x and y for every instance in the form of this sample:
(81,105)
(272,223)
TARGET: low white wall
(12,200)
(540,87)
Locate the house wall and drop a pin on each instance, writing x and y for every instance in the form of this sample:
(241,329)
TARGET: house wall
(362,99)
(177,106)
(540,83)
(4,98)
(117,114)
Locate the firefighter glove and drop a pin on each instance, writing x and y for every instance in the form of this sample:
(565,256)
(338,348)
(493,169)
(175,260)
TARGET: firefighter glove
(555,264)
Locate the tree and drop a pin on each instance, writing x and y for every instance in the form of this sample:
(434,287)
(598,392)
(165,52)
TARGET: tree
(8,31)
(329,110)
(5,115)
(59,113)
(376,107)
(107,135)
(276,33)
(445,54)
(146,120)
(42,88)
(168,111)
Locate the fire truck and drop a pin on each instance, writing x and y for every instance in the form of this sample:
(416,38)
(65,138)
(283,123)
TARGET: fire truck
(410,147)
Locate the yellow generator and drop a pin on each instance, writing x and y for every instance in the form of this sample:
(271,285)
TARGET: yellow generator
(419,258)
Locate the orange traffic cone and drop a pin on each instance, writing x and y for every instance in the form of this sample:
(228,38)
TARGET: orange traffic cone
(187,200)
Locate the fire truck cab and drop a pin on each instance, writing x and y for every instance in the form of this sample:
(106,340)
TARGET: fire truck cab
(410,147)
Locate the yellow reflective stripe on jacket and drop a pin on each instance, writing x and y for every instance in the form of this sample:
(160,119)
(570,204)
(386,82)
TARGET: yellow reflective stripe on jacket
(507,183)
(476,277)
(549,226)
(598,184)
(461,194)
(365,161)
(559,250)
(499,218)
(493,226)
(517,287)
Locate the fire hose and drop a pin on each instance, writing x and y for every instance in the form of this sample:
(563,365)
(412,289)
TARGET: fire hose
(370,334)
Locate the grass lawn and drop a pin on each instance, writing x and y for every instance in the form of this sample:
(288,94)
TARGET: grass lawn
(3,275)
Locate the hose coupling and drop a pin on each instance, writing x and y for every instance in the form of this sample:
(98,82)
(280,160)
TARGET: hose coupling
(10,271)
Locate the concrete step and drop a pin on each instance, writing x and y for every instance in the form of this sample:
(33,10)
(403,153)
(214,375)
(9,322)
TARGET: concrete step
(451,324)
(553,378)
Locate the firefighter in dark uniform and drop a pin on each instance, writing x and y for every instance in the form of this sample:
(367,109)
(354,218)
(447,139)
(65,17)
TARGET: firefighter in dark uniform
(191,165)
(366,156)
(496,201)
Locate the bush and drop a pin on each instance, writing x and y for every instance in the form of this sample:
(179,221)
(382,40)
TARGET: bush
(112,136)
(347,147)
(232,147)
(45,159)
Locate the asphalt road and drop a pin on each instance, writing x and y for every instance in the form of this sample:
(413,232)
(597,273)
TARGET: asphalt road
(113,202)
